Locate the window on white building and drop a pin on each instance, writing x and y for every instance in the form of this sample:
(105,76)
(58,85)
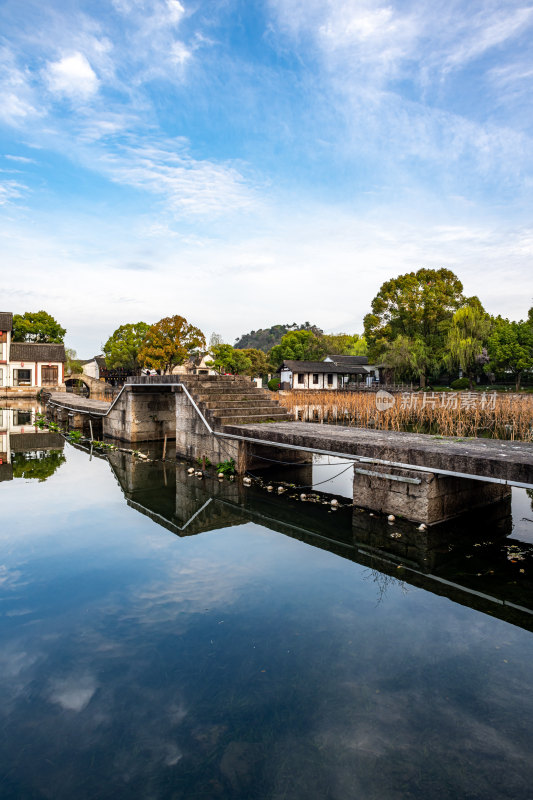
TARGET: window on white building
(300,377)
(22,377)
(315,377)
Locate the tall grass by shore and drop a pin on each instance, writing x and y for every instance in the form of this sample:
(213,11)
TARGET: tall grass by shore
(498,416)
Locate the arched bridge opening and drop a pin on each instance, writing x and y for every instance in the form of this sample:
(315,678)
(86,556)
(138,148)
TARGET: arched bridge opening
(86,386)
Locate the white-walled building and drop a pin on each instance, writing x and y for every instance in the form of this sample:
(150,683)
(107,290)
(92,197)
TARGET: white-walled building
(372,370)
(320,374)
(27,364)
(195,365)
(93,366)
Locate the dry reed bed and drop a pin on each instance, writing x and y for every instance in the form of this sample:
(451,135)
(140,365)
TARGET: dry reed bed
(498,416)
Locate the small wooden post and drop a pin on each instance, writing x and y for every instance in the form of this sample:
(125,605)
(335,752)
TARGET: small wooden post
(164,446)
(91,429)
(203,463)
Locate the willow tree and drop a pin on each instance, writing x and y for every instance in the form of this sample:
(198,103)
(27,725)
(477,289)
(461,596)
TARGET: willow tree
(408,358)
(467,337)
(169,343)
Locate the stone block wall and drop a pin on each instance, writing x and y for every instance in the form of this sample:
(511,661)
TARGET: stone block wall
(142,417)
(194,441)
(421,496)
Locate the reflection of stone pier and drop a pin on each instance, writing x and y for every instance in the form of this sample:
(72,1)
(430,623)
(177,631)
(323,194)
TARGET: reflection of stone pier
(441,560)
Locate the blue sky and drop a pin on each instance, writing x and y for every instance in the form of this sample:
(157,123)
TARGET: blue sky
(249,163)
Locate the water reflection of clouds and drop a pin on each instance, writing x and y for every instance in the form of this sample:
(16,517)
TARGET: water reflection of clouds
(378,738)
(342,698)
(73,693)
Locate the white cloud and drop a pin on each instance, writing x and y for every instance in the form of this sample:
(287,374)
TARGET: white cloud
(20,159)
(17,103)
(175,10)
(180,54)
(14,109)
(189,186)
(11,190)
(404,38)
(72,76)
(487,31)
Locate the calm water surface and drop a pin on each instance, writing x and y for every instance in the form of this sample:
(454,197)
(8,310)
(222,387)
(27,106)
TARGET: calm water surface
(164,637)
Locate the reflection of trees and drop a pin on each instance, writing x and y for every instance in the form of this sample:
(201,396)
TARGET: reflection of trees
(38,465)
(529,493)
(383,582)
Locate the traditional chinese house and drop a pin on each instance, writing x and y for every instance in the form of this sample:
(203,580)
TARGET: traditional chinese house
(27,364)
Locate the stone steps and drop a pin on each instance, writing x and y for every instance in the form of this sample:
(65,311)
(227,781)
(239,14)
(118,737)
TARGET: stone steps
(234,400)
(232,394)
(255,408)
(245,419)
(231,399)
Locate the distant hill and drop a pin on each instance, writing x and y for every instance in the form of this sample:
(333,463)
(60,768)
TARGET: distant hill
(265,338)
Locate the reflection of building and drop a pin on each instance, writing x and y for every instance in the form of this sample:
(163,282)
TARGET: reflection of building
(16,426)
(25,451)
(27,364)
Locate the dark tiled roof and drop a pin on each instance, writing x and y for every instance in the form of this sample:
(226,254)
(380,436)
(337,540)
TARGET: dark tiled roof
(27,351)
(323,366)
(6,321)
(351,361)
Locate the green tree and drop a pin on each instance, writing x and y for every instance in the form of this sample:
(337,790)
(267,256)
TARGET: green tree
(123,346)
(510,348)
(408,358)
(229,361)
(73,365)
(169,343)
(37,326)
(259,362)
(298,346)
(265,338)
(420,306)
(343,344)
(467,336)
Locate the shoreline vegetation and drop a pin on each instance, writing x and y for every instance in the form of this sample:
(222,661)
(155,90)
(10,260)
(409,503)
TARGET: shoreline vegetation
(494,415)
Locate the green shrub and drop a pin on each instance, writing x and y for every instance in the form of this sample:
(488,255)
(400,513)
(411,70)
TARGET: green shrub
(226,467)
(273,384)
(460,383)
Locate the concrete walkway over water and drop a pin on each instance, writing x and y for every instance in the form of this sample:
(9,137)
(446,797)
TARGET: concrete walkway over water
(486,458)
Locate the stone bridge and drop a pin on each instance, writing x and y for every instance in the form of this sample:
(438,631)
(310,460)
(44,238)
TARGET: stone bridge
(97,390)
(422,478)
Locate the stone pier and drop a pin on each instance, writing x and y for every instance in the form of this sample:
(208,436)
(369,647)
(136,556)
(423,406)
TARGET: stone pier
(421,496)
(141,416)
